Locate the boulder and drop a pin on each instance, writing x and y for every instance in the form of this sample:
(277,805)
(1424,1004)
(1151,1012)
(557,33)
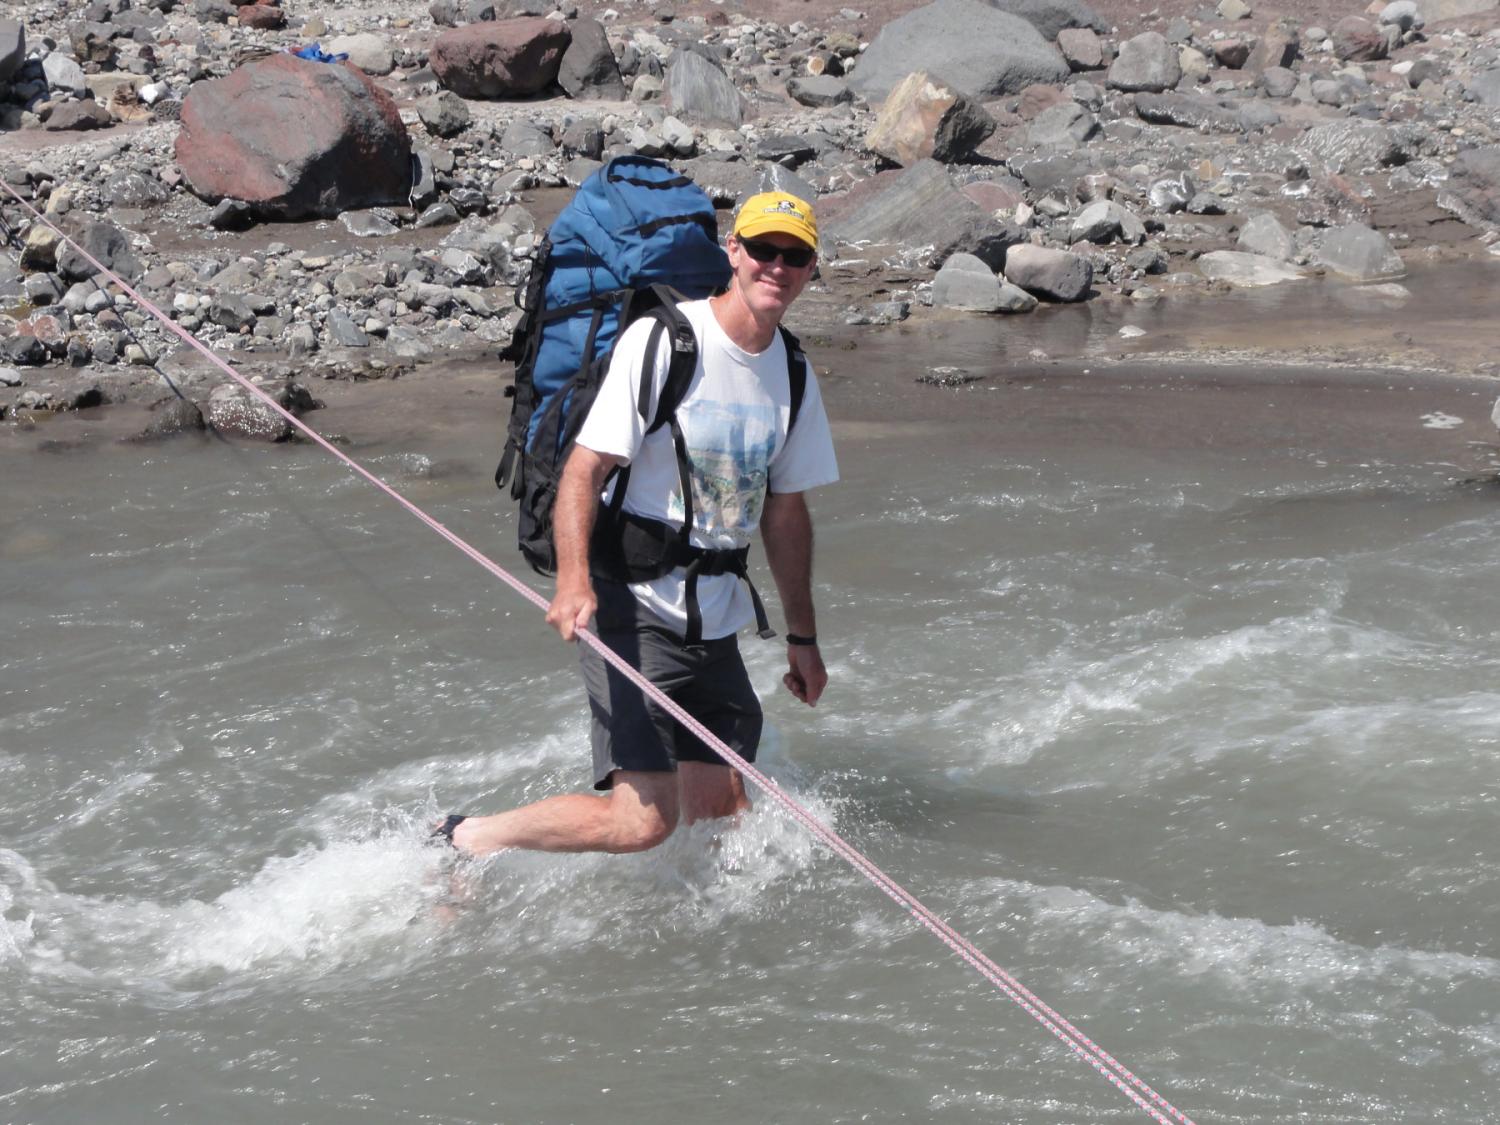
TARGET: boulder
(12,48)
(443,114)
(64,75)
(500,59)
(105,242)
(523,138)
(1473,191)
(1278,82)
(1434,10)
(920,207)
(1106,221)
(39,250)
(1358,252)
(262,17)
(971,46)
(925,118)
(87,114)
(1189,111)
(294,138)
(1404,14)
(1232,54)
(1082,49)
(1358,40)
(234,412)
(697,89)
(1146,63)
(819,91)
(1248,271)
(1352,145)
(966,283)
(588,68)
(1484,88)
(1263,234)
(1052,17)
(175,416)
(1274,48)
(134,189)
(1054,275)
(1065,125)
(371,53)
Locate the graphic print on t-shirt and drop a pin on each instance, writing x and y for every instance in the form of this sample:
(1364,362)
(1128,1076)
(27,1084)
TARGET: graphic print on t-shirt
(730,447)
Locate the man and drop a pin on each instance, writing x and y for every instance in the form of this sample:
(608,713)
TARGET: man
(748,468)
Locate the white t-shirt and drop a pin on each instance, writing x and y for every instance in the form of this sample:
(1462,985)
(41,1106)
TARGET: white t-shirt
(734,419)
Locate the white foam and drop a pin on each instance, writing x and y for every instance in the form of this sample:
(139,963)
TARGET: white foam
(1240,954)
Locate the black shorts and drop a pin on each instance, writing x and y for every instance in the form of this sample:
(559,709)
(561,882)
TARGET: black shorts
(631,732)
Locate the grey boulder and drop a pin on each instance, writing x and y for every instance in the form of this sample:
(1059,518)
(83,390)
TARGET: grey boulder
(973,47)
(12,48)
(1359,253)
(921,207)
(1263,234)
(1054,275)
(1484,88)
(234,412)
(1473,191)
(1106,221)
(697,89)
(65,75)
(1065,125)
(588,67)
(1189,111)
(966,283)
(1353,145)
(107,244)
(1146,63)
(1050,17)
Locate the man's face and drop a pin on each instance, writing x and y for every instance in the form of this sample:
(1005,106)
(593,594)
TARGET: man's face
(769,287)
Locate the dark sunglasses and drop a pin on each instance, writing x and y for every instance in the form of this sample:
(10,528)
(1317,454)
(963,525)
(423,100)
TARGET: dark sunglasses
(796,257)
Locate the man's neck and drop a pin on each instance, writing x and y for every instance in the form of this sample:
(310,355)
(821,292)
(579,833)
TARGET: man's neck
(740,324)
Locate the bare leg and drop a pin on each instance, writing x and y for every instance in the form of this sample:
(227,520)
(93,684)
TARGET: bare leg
(638,813)
(710,792)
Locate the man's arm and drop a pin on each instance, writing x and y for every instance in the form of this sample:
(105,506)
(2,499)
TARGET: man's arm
(786,530)
(573,516)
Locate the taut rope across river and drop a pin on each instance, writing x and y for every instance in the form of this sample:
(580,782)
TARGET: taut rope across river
(1111,1069)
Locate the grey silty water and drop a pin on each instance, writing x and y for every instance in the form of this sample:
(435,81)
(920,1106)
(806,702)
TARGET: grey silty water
(1198,742)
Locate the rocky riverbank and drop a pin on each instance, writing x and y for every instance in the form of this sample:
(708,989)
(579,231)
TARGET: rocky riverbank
(368,218)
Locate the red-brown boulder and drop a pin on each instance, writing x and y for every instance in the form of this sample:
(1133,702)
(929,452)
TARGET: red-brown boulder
(265,17)
(499,59)
(294,138)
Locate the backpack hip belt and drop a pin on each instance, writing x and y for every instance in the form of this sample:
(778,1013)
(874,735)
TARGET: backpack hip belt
(631,548)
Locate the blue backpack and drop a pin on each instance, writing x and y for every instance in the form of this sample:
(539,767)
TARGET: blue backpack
(637,238)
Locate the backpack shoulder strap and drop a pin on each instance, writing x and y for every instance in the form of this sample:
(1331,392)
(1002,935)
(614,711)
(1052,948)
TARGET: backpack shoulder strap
(796,374)
(681,366)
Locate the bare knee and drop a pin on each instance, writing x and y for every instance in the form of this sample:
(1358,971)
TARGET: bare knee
(643,811)
(641,833)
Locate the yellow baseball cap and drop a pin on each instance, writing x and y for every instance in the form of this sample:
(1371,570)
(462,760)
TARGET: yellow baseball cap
(776,212)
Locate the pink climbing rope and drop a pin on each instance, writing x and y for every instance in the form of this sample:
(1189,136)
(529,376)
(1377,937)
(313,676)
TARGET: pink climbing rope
(1110,1068)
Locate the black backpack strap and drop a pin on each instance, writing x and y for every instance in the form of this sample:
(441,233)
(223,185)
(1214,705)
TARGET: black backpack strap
(796,375)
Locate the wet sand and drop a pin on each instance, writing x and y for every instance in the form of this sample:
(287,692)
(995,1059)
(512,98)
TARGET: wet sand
(1340,371)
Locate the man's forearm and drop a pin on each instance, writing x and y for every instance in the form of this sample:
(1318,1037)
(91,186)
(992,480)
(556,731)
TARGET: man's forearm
(787,532)
(575,511)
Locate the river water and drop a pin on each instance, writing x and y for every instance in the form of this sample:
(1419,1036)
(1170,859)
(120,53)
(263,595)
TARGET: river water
(1175,691)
